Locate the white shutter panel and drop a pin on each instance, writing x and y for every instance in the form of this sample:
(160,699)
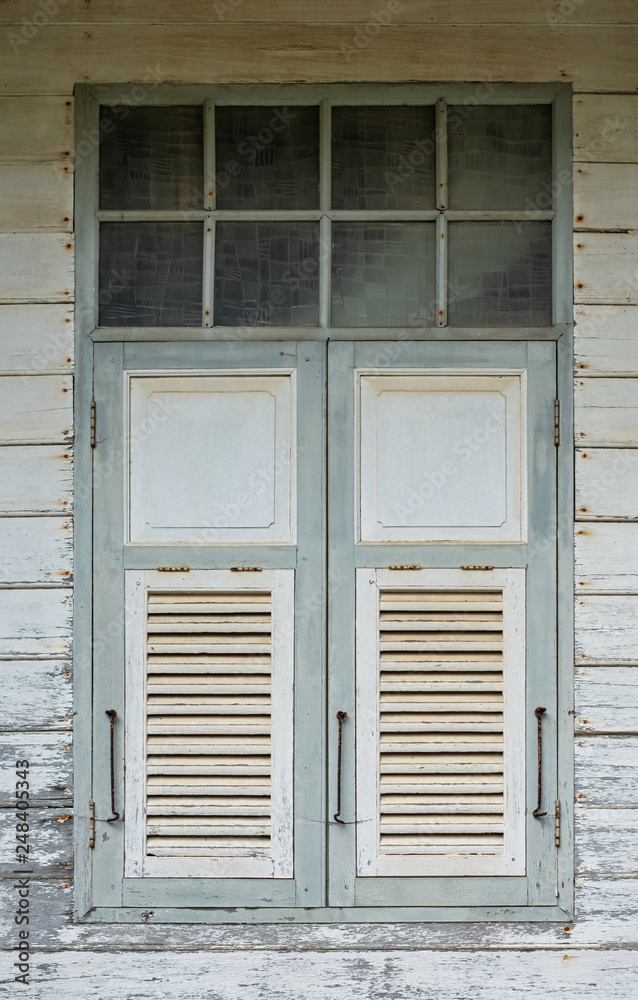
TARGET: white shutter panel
(440,722)
(214,796)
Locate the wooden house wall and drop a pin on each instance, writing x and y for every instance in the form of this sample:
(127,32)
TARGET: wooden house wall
(47,47)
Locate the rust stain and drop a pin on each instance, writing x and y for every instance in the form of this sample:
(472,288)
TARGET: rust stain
(63,819)
(583,510)
(586,722)
(584,365)
(566,930)
(568,958)
(65,885)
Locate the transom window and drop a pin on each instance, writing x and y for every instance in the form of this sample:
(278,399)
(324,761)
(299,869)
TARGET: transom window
(327,215)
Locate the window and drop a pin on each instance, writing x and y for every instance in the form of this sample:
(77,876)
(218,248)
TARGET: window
(327,344)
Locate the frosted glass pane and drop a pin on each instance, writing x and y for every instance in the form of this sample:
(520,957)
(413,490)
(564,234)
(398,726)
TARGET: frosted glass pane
(383,158)
(500,156)
(383,275)
(151,274)
(500,274)
(267,274)
(267,158)
(151,158)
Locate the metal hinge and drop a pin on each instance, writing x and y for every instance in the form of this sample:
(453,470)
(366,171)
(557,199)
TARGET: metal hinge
(557,422)
(93,441)
(91,825)
(557,824)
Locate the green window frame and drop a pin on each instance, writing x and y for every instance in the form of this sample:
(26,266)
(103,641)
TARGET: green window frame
(103,353)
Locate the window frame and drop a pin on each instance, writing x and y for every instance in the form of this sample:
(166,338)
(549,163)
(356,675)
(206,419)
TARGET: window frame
(88,100)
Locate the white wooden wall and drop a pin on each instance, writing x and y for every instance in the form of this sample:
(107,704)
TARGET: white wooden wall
(46,47)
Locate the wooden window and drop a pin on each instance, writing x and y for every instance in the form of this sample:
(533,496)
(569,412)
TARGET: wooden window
(331,328)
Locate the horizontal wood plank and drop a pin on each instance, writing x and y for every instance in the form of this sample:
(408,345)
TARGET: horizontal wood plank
(607,913)
(36,550)
(606,128)
(597,58)
(605,842)
(606,770)
(35,622)
(36,128)
(35,196)
(459,12)
(606,340)
(605,269)
(606,412)
(36,338)
(36,267)
(607,630)
(606,699)
(605,196)
(36,409)
(606,483)
(35,694)
(606,557)
(35,479)
(50,838)
(481,975)
(50,767)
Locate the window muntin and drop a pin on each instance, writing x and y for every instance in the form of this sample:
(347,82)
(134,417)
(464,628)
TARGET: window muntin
(326,216)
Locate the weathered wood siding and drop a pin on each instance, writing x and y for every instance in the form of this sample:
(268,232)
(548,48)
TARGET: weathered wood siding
(46,49)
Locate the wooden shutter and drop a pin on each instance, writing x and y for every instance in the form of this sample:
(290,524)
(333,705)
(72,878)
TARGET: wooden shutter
(210,671)
(440,698)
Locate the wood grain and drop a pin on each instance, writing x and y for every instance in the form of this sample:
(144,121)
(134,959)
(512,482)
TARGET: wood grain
(605,840)
(604,196)
(36,267)
(36,128)
(36,338)
(606,700)
(36,550)
(596,58)
(606,412)
(35,479)
(50,771)
(607,630)
(606,769)
(606,340)
(606,128)
(35,694)
(36,196)
(35,623)
(50,838)
(606,483)
(606,558)
(482,975)
(36,409)
(606,268)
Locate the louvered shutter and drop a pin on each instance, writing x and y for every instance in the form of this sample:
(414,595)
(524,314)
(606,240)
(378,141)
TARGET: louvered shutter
(210,724)
(440,698)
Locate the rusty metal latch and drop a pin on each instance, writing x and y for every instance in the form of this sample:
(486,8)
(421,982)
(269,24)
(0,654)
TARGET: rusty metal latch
(557,422)
(93,438)
(340,716)
(112,714)
(557,824)
(539,712)
(91,825)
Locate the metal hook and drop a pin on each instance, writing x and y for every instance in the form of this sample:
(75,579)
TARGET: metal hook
(112,714)
(340,716)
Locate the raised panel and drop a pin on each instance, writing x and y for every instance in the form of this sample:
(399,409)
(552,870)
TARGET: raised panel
(441,457)
(211,458)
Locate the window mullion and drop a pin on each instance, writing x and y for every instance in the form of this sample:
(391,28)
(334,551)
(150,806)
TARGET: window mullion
(441,204)
(325,225)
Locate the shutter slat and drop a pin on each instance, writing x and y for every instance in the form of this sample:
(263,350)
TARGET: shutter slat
(440,722)
(208,742)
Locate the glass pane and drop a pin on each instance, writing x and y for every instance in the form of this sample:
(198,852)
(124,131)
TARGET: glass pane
(151,274)
(500,274)
(383,275)
(500,156)
(267,158)
(266,274)
(383,158)
(151,158)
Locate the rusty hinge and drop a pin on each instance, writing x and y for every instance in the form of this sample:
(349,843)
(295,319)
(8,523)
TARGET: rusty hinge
(93,441)
(246,569)
(173,569)
(409,566)
(557,824)
(557,422)
(91,825)
(477,567)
